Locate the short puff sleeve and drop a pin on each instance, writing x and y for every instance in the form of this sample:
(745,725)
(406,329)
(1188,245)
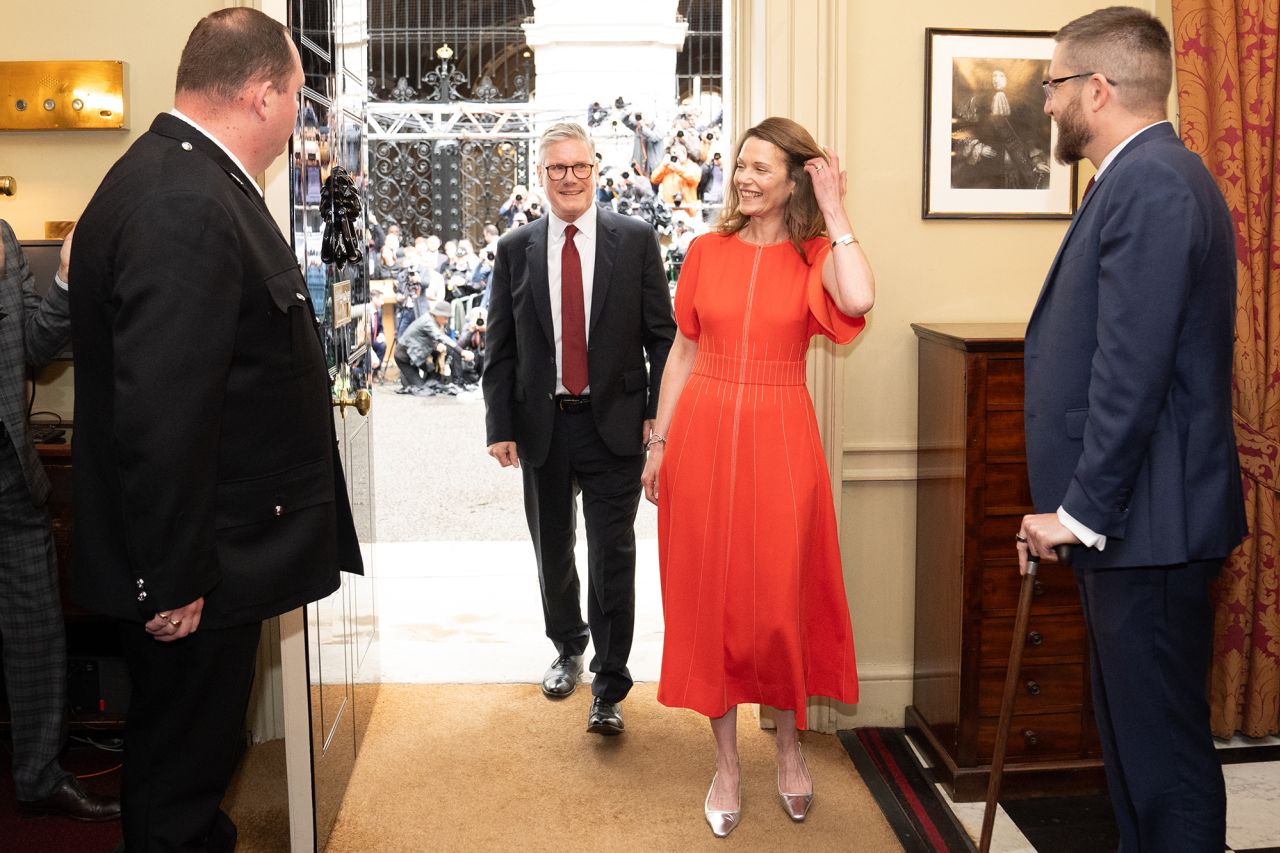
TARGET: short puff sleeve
(686,287)
(825,318)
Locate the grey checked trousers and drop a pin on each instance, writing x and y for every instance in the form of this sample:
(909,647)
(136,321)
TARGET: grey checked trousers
(31,628)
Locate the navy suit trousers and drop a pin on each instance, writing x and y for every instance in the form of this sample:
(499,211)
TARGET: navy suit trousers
(1150,635)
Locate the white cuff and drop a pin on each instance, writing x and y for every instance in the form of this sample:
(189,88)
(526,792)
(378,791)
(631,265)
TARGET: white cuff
(1086,536)
(57,279)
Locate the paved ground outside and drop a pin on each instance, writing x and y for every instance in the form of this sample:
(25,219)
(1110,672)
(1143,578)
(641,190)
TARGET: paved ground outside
(457,585)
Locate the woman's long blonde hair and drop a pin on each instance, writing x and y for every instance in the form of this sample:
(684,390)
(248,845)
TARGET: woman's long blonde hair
(802,218)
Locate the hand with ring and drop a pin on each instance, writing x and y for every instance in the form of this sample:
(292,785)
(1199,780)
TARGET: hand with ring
(1039,535)
(828,183)
(176,623)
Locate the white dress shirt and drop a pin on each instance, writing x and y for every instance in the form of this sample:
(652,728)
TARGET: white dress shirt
(1087,537)
(585,242)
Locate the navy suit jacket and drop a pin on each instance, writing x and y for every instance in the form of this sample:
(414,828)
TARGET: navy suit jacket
(630,318)
(1128,365)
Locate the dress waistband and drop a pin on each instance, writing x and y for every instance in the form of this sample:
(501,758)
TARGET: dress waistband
(749,371)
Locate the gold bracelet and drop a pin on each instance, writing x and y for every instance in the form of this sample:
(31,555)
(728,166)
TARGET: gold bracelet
(844,240)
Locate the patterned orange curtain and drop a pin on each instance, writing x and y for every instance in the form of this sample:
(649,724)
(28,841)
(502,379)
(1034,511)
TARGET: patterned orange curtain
(1227,97)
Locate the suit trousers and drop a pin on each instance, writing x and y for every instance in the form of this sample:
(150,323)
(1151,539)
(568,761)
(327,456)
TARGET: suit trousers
(1151,637)
(31,628)
(184,736)
(578,462)
(410,377)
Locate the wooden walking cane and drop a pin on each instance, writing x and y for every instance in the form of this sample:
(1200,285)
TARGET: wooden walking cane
(1011,691)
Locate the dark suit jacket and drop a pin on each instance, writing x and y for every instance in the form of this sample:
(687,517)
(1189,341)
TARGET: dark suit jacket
(630,317)
(1128,365)
(32,332)
(205,459)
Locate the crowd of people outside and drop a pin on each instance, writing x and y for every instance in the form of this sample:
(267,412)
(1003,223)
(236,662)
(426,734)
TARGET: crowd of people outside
(674,180)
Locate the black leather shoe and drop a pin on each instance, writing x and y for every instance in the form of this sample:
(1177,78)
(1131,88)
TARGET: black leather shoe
(561,678)
(605,718)
(71,800)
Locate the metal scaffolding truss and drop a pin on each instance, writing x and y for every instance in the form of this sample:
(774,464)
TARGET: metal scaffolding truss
(458,120)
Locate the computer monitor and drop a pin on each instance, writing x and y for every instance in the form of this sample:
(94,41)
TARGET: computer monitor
(43,256)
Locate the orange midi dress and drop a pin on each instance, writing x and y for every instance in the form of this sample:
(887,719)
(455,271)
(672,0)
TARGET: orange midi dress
(752,587)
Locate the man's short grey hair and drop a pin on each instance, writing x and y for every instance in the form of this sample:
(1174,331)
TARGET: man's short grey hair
(563,132)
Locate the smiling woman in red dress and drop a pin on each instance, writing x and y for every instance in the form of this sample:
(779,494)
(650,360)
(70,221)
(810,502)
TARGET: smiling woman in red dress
(752,586)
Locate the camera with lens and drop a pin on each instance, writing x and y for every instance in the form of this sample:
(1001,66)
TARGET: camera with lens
(490,255)
(679,134)
(519,197)
(608,182)
(710,137)
(626,175)
(675,159)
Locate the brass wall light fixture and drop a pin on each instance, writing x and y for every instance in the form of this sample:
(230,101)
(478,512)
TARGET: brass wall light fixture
(62,95)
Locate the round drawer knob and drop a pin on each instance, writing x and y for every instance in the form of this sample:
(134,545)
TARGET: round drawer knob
(1033,688)
(1030,737)
(1034,638)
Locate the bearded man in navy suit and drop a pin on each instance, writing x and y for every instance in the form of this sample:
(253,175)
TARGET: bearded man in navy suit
(1130,446)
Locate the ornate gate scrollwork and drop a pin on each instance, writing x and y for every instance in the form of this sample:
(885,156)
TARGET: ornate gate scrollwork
(487,168)
(403,179)
(446,169)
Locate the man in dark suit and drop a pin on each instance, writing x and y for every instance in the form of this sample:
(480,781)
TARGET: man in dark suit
(578,300)
(32,331)
(208,491)
(1130,446)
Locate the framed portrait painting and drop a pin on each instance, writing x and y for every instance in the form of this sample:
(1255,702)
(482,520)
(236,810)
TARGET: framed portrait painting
(988,145)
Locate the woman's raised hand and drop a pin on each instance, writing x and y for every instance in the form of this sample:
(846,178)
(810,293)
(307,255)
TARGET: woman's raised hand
(828,180)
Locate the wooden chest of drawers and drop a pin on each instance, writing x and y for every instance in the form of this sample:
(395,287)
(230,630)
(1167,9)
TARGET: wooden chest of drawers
(972,492)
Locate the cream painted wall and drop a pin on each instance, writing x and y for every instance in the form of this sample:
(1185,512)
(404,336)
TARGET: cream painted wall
(57,172)
(861,91)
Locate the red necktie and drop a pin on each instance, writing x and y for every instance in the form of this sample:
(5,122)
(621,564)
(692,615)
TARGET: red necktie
(573,324)
(1088,186)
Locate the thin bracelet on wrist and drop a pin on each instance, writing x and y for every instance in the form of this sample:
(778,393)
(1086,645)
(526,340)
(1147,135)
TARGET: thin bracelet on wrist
(654,438)
(844,240)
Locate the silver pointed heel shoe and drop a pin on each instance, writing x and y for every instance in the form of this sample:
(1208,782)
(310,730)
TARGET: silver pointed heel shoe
(721,822)
(796,805)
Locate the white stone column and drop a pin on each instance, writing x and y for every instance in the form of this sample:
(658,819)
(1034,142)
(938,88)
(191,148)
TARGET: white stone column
(602,51)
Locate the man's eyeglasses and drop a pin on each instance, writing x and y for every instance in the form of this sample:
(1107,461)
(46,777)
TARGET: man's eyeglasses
(557,171)
(1051,85)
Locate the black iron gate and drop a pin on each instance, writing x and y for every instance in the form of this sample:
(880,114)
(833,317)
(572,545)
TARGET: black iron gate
(450,185)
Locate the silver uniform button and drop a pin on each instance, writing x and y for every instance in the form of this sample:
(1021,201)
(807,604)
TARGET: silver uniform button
(300,297)
(141,583)
(279,510)
(142,596)
(186,146)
